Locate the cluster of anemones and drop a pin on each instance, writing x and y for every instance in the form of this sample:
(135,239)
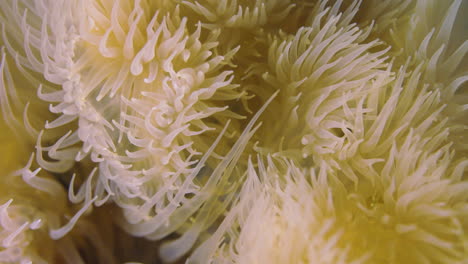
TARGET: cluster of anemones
(233,131)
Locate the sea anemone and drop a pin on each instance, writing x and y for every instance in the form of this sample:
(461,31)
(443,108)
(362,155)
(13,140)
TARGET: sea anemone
(233,131)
